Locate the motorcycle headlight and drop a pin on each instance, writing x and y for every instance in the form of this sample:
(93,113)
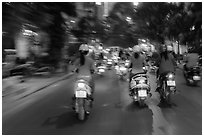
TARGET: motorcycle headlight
(81,85)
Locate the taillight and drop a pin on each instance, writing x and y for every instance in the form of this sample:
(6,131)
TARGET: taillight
(170,76)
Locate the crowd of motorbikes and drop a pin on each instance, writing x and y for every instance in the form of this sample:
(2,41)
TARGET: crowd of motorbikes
(139,85)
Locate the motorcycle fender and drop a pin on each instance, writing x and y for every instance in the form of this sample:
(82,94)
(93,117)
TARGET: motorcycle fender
(79,102)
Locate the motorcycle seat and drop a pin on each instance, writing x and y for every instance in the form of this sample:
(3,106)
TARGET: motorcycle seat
(84,77)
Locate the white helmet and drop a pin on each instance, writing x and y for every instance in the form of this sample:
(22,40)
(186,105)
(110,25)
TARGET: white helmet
(84,47)
(136,48)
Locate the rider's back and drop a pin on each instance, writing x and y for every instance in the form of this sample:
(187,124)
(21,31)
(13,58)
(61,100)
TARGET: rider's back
(192,59)
(166,64)
(137,63)
(85,69)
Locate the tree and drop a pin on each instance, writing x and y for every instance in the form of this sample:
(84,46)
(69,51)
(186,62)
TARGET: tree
(44,15)
(159,21)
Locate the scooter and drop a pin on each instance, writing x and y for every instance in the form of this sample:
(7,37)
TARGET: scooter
(101,69)
(140,89)
(109,64)
(168,86)
(82,98)
(192,75)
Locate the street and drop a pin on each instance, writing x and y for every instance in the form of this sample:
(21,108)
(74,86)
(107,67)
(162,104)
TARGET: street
(49,111)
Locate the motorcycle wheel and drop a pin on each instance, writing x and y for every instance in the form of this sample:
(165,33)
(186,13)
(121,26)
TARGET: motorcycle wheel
(81,110)
(168,99)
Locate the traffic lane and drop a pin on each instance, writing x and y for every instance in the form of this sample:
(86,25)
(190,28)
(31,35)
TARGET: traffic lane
(114,112)
(27,115)
(180,118)
(186,113)
(49,112)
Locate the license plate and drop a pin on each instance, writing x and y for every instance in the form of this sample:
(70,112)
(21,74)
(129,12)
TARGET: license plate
(196,78)
(171,83)
(142,93)
(81,94)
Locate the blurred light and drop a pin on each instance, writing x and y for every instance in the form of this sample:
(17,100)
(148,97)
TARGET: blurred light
(27,32)
(192,28)
(129,19)
(135,3)
(143,40)
(98,3)
(35,33)
(72,21)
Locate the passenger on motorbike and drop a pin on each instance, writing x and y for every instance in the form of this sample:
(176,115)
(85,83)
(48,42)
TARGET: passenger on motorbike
(166,63)
(85,66)
(137,62)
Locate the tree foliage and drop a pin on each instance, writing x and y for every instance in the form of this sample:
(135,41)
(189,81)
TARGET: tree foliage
(160,20)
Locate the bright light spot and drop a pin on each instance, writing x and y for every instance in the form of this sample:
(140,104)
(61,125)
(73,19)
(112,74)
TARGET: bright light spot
(143,40)
(28,31)
(98,3)
(192,28)
(135,3)
(129,19)
(72,21)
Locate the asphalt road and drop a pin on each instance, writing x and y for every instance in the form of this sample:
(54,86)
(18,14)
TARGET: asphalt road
(49,111)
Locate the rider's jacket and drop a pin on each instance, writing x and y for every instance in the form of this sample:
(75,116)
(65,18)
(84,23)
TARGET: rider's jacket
(191,59)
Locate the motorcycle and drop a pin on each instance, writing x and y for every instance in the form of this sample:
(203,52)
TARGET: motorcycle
(168,86)
(140,88)
(101,68)
(109,63)
(192,75)
(82,98)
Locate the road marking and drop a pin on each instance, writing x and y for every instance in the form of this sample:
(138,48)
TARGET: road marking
(160,125)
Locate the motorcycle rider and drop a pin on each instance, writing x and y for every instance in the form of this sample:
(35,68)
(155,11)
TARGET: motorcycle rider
(191,59)
(137,62)
(85,67)
(166,63)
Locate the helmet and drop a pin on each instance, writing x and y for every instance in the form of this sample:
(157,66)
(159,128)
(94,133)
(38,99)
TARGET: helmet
(136,48)
(84,47)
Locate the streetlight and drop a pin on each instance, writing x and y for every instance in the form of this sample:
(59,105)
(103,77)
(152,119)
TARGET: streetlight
(135,3)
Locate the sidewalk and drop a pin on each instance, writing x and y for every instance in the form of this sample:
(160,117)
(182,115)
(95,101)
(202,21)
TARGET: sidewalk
(11,87)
